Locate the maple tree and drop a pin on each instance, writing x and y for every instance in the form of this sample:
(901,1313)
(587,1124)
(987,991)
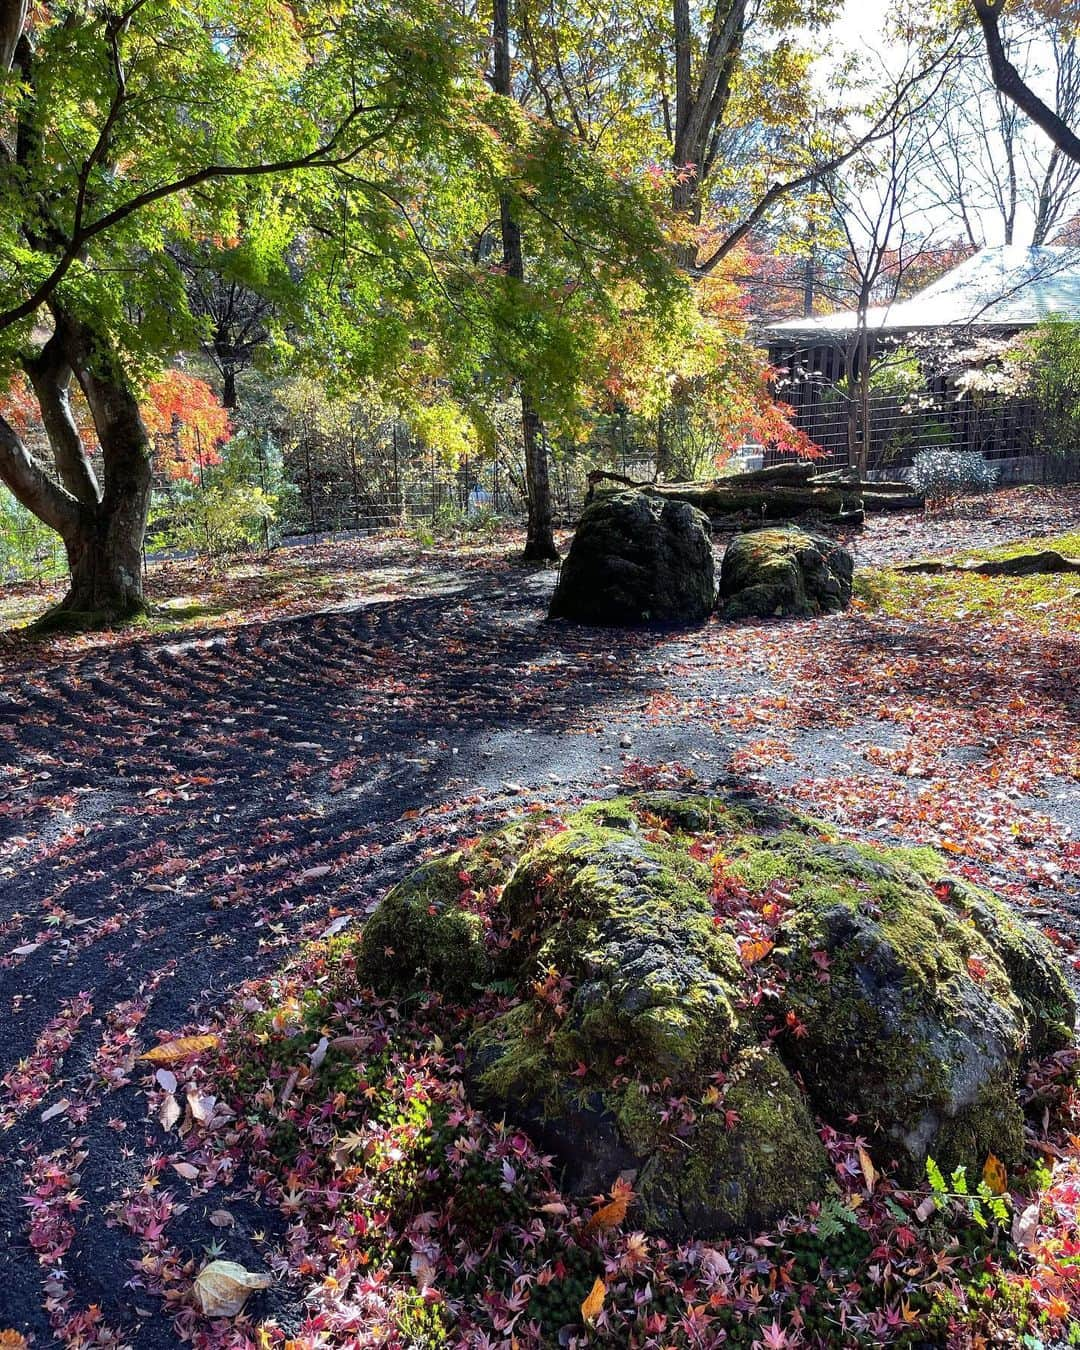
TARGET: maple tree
(108,166)
(358,152)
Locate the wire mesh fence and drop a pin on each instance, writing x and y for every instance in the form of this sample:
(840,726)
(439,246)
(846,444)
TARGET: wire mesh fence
(1014,433)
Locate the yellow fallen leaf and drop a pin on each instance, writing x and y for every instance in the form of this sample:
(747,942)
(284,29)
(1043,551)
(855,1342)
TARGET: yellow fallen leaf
(995,1175)
(612,1214)
(184,1047)
(594,1302)
(222,1288)
(869,1171)
(12,1340)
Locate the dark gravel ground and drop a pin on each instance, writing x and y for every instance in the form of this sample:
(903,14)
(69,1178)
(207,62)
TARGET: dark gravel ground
(174,814)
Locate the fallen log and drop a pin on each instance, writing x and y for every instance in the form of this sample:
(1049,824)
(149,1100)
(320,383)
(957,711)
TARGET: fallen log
(776,493)
(873,500)
(1048,561)
(780,502)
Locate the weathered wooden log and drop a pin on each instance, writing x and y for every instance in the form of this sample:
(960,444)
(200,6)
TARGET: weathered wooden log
(889,501)
(777,492)
(720,500)
(1023,565)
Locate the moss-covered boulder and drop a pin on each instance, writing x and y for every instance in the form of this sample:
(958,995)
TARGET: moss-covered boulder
(784,572)
(637,558)
(686,987)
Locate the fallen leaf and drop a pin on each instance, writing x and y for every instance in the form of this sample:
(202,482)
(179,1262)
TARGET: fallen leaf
(1025,1226)
(56,1110)
(594,1302)
(314,873)
(184,1047)
(221,1218)
(753,952)
(422,1270)
(222,1288)
(869,1171)
(612,1214)
(166,1079)
(995,1175)
(201,1108)
(169,1112)
(925,1208)
(186,1170)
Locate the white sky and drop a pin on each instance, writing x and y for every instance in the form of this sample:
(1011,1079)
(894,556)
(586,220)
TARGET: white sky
(862,23)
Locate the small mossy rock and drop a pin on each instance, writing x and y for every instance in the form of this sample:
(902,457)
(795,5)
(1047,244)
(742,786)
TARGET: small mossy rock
(637,558)
(784,572)
(915,1000)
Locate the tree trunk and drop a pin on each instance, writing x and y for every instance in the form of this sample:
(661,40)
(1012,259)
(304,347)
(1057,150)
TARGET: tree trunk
(105,548)
(228,386)
(539,538)
(105,560)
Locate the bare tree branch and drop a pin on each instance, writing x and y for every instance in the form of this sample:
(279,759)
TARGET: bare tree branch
(1010,82)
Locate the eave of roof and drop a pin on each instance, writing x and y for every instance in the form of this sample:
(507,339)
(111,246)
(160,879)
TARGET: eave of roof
(1008,287)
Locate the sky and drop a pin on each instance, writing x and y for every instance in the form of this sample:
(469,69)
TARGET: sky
(862,23)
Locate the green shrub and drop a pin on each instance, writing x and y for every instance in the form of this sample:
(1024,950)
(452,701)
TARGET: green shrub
(228,511)
(29,550)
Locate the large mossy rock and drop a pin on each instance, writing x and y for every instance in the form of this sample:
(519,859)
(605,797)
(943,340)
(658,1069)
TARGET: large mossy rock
(686,988)
(784,572)
(637,558)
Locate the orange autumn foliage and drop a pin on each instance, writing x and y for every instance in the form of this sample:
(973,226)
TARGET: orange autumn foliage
(188,424)
(183,417)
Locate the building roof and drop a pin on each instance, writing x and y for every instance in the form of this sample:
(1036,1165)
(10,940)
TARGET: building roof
(1009,286)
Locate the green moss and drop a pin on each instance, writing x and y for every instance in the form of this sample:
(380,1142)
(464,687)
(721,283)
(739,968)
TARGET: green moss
(429,930)
(1026,958)
(1044,602)
(629,918)
(60,620)
(994,1123)
(741,1176)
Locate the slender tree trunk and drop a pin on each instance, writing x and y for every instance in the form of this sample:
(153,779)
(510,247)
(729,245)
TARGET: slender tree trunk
(864,404)
(539,538)
(228,386)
